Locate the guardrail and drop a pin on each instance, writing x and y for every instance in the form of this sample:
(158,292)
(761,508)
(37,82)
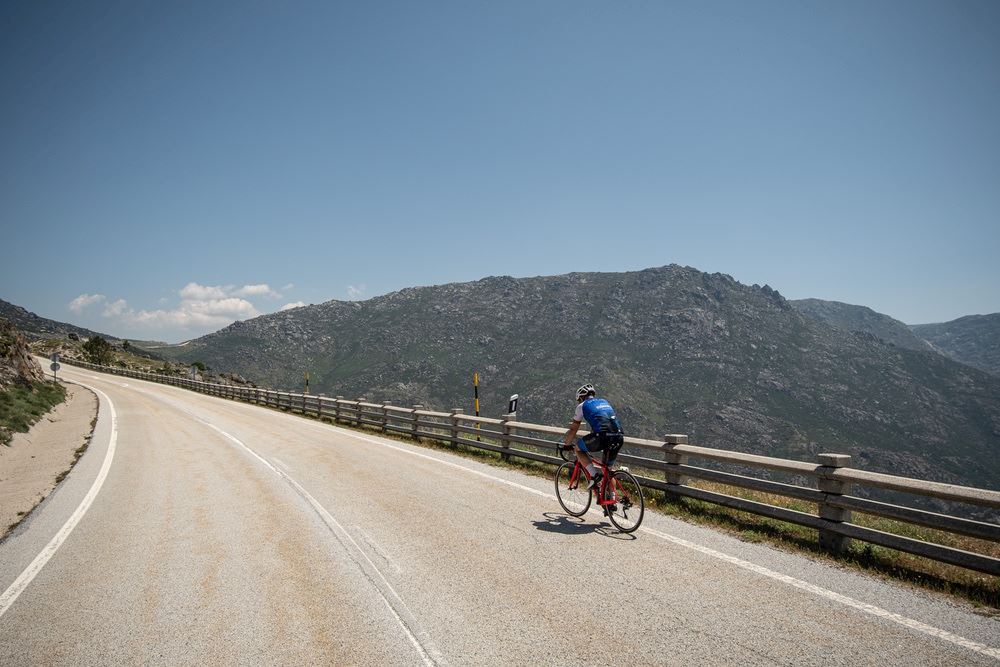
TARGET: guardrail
(834,479)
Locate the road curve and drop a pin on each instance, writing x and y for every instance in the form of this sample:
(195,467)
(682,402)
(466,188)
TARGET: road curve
(224,533)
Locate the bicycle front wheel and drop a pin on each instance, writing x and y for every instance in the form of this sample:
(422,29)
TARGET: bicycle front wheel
(629,507)
(573,494)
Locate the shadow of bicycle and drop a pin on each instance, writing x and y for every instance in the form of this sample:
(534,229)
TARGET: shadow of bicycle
(564,524)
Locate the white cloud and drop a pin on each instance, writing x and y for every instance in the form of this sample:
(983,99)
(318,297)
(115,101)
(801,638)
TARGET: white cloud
(200,307)
(191,313)
(79,303)
(262,289)
(115,309)
(289,306)
(199,292)
(356,292)
(288,287)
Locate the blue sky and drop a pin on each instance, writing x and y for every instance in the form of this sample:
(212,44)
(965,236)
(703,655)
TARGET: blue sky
(166,168)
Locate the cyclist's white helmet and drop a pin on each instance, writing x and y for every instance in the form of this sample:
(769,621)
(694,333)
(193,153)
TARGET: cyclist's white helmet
(585,391)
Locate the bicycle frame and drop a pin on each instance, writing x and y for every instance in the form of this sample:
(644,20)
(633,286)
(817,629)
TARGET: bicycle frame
(603,497)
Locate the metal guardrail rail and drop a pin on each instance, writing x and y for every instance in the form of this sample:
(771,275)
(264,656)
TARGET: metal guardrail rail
(834,479)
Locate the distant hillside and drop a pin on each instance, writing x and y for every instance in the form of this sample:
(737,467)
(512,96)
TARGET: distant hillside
(861,318)
(973,340)
(677,350)
(35,327)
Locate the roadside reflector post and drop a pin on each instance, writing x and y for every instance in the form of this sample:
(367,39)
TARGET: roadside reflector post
(455,412)
(505,438)
(475,392)
(385,416)
(833,488)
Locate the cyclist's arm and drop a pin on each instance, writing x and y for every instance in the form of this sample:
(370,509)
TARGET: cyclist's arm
(570,438)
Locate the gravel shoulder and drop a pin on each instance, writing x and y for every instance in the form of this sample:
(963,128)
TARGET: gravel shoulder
(34,462)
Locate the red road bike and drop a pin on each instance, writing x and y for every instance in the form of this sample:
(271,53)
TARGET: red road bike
(618,493)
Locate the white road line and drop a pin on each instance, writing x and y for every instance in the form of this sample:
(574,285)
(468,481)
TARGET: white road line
(866,608)
(280,463)
(421,641)
(30,572)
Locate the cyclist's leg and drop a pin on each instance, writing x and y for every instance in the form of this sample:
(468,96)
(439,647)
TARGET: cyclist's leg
(614,445)
(584,447)
(588,446)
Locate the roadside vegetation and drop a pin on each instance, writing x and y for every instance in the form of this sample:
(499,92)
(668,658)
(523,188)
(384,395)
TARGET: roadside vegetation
(23,405)
(25,395)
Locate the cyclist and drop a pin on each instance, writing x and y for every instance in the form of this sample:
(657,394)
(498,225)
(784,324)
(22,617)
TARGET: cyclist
(605,431)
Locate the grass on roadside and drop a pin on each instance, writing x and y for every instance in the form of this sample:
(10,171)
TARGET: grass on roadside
(22,406)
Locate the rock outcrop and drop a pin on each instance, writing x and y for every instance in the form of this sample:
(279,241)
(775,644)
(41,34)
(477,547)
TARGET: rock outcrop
(17,366)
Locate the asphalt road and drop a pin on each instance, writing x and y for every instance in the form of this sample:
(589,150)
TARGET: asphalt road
(197,530)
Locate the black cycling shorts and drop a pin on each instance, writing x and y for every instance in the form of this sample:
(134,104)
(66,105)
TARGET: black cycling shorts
(609,443)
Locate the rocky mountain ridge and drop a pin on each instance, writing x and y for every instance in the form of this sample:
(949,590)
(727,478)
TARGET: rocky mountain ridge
(861,318)
(677,350)
(35,327)
(972,340)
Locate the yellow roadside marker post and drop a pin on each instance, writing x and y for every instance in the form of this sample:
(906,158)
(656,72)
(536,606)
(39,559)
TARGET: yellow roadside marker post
(475,392)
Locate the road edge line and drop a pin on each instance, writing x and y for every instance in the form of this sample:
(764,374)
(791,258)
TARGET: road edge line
(27,576)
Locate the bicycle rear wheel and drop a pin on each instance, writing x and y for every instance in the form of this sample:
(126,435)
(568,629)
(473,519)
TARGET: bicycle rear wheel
(573,495)
(629,507)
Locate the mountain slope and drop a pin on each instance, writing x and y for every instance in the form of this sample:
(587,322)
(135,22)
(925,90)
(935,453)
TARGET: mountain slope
(861,318)
(973,340)
(35,327)
(675,349)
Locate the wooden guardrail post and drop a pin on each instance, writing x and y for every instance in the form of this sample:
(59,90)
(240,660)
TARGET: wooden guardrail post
(454,424)
(670,457)
(415,425)
(833,488)
(336,407)
(385,415)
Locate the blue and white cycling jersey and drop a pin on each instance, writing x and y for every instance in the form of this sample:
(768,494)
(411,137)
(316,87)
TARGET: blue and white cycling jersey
(599,415)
